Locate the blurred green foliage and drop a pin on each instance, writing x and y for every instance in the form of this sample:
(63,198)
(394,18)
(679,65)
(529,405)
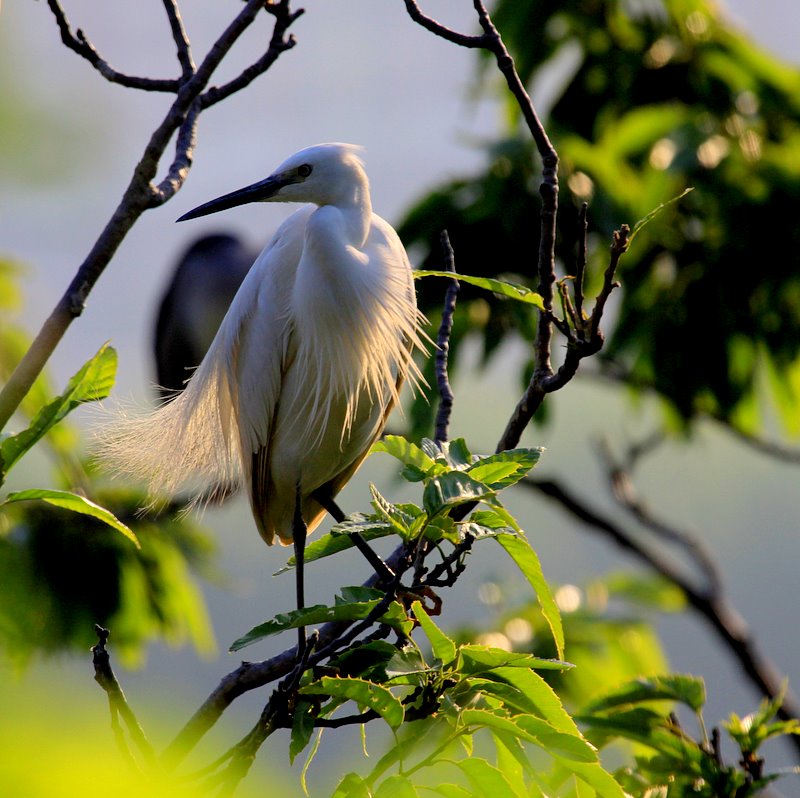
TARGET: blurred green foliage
(68,561)
(651,98)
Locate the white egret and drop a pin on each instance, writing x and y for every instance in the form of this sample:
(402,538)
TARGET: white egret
(307,363)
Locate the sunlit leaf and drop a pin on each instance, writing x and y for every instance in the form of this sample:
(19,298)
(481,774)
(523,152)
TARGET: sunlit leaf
(479,659)
(540,693)
(92,382)
(486,780)
(452,489)
(76,504)
(365,694)
(689,690)
(527,561)
(444,649)
(396,786)
(409,454)
(394,616)
(510,290)
(338,538)
(352,786)
(504,468)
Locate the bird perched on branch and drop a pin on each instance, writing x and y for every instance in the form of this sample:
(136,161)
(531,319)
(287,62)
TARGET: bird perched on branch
(307,363)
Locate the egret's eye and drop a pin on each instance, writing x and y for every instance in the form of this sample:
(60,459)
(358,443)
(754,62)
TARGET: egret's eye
(304,170)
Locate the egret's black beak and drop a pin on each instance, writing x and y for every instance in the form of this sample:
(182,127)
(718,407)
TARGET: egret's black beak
(258,192)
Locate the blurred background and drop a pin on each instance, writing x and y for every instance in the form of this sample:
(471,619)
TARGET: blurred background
(362,72)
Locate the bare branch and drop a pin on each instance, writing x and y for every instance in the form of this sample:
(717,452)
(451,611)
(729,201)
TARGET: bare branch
(140,194)
(180,38)
(117,703)
(710,604)
(78,43)
(443,345)
(279,43)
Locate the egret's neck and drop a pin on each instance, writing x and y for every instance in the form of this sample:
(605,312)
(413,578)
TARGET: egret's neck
(352,200)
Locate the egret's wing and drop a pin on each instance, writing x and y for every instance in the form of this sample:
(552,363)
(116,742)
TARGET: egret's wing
(261,352)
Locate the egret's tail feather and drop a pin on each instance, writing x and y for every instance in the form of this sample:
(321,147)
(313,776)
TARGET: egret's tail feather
(184,446)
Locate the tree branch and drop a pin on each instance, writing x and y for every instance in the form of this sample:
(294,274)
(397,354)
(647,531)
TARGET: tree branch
(180,38)
(78,43)
(709,602)
(443,345)
(140,194)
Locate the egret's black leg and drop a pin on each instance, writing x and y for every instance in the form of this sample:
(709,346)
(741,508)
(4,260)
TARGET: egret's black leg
(323,497)
(299,532)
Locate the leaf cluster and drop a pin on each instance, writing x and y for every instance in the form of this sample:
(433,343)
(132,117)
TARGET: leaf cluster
(69,555)
(653,99)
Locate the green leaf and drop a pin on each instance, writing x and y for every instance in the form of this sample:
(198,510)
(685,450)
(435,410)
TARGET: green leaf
(92,382)
(486,780)
(396,786)
(689,690)
(444,649)
(539,692)
(409,454)
(394,616)
(338,538)
(506,468)
(452,489)
(571,746)
(511,290)
(477,659)
(352,786)
(364,693)
(593,774)
(302,729)
(399,520)
(75,503)
(527,561)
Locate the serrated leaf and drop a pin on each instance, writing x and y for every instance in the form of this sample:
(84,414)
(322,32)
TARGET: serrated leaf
(515,291)
(689,690)
(76,504)
(540,693)
(408,453)
(571,746)
(479,659)
(92,382)
(391,513)
(338,538)
(364,693)
(506,468)
(444,649)
(394,616)
(406,667)
(527,561)
(452,489)
(444,527)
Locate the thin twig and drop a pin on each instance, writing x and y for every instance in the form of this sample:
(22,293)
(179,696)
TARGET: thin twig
(182,45)
(80,44)
(117,703)
(443,345)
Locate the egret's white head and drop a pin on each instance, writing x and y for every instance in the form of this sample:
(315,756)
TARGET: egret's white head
(325,174)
